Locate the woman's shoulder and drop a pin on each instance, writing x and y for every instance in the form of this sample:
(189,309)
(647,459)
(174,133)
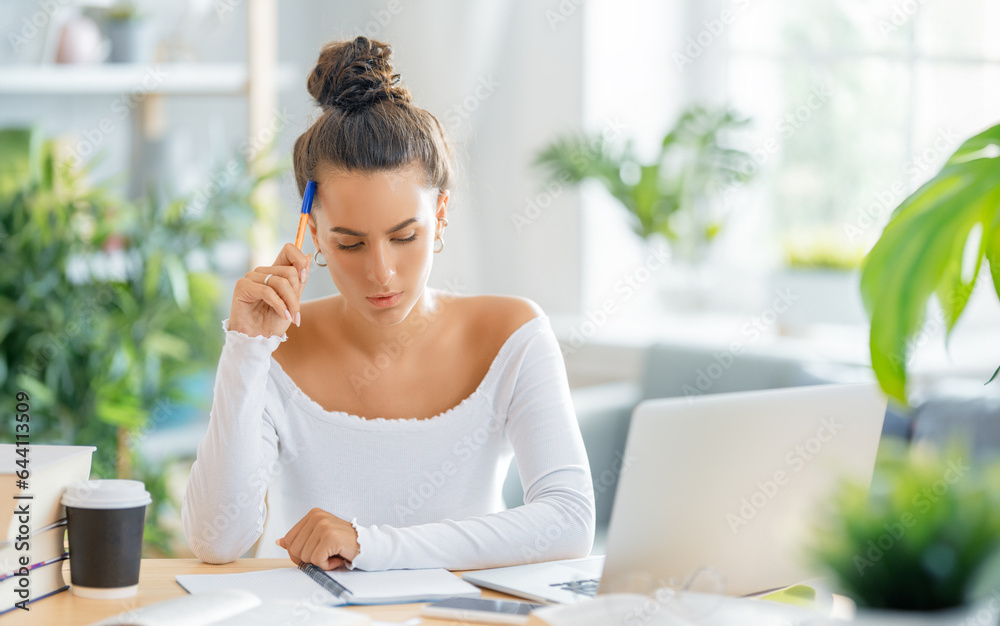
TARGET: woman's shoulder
(494,318)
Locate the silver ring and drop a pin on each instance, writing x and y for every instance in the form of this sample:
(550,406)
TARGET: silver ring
(267,278)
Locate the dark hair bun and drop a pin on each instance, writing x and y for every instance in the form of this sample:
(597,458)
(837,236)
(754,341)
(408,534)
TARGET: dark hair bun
(354,75)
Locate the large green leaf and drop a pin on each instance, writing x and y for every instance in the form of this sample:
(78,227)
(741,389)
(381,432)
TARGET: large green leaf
(954,290)
(920,253)
(979,146)
(991,247)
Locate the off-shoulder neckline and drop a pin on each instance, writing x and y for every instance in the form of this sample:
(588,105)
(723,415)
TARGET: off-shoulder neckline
(314,408)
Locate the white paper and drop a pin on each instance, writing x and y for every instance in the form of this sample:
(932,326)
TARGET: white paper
(404,585)
(233,608)
(291,585)
(272,614)
(187,610)
(286,584)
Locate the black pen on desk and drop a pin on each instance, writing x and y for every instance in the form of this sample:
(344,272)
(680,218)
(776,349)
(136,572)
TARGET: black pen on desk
(338,591)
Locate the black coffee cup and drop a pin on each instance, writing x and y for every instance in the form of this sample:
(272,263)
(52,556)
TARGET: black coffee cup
(105,523)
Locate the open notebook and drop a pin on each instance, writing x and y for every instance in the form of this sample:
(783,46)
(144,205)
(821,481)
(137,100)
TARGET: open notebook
(310,584)
(233,607)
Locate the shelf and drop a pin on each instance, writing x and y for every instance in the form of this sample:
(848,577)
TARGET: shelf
(193,79)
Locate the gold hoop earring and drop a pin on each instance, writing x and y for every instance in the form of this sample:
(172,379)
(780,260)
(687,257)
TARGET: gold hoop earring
(316,257)
(442,244)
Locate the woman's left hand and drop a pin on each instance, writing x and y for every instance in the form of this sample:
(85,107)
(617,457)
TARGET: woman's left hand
(322,539)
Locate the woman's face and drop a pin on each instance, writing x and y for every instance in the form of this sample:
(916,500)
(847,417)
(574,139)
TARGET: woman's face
(376,232)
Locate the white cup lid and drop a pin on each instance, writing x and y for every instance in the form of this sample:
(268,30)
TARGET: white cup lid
(108,493)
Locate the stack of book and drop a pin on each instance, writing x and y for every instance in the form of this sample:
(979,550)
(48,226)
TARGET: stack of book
(33,520)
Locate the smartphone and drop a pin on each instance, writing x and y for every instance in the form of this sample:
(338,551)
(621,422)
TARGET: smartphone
(480,610)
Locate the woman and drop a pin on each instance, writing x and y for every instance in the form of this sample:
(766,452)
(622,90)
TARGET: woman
(374,428)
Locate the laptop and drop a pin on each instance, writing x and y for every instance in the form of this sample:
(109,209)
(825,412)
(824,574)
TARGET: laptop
(720,494)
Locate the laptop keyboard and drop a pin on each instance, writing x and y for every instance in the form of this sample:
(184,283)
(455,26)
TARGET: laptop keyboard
(581,587)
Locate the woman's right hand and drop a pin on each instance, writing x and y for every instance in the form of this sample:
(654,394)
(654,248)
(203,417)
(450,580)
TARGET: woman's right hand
(267,310)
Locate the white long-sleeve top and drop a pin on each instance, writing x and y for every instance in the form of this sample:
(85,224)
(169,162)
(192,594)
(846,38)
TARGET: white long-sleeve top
(420,492)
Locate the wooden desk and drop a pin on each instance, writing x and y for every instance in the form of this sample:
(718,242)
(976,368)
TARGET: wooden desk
(156,582)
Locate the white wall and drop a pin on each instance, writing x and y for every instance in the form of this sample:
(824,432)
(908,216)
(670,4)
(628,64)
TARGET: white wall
(501,80)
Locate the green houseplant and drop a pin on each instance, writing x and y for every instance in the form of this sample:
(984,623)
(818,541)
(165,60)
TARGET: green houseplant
(109,307)
(671,195)
(920,254)
(922,544)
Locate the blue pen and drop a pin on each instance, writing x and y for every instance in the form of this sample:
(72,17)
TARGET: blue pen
(307,203)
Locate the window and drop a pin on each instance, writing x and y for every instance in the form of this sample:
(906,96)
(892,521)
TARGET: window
(865,99)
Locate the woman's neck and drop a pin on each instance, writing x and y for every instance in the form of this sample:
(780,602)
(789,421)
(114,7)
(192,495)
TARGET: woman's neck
(372,339)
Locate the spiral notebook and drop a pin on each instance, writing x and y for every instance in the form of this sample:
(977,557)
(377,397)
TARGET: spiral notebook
(310,584)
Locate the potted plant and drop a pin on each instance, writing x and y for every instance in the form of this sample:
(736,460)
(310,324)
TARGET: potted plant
(131,33)
(674,201)
(925,252)
(921,546)
(823,273)
(108,307)
(671,196)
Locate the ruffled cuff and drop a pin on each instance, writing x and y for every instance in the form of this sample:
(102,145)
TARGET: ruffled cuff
(237,337)
(372,543)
